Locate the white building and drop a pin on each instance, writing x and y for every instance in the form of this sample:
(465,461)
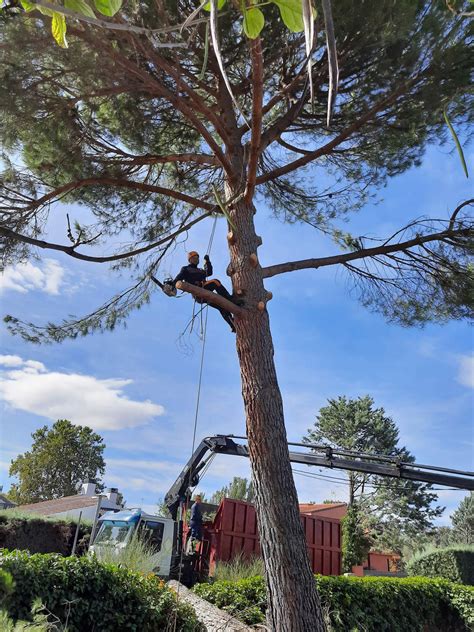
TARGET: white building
(71,506)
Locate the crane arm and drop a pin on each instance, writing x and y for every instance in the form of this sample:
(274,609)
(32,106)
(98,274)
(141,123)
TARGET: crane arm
(320,456)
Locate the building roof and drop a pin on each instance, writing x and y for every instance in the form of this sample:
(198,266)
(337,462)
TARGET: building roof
(6,501)
(59,505)
(314,507)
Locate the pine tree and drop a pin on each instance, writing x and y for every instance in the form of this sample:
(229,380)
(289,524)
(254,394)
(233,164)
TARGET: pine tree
(463,521)
(135,122)
(392,510)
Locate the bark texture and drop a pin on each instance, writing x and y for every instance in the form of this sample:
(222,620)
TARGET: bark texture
(294,604)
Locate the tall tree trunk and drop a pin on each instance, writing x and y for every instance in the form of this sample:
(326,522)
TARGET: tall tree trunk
(294,604)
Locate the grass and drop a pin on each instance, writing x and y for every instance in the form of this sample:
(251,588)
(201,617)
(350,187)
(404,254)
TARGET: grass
(239,568)
(138,556)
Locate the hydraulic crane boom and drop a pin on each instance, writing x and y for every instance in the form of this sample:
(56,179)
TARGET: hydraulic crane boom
(321,456)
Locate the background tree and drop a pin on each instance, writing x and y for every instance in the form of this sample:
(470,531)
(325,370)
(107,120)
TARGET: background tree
(60,458)
(356,542)
(391,508)
(238,488)
(161,508)
(135,121)
(463,521)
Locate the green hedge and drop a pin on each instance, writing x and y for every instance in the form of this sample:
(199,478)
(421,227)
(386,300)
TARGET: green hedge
(92,596)
(455,563)
(372,604)
(6,586)
(40,535)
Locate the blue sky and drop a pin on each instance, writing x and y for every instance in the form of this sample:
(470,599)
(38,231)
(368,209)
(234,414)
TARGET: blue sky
(137,386)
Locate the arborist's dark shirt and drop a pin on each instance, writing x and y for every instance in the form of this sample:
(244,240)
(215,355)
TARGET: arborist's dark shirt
(192,274)
(196,515)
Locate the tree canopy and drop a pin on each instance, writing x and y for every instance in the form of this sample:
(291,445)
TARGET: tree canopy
(143,132)
(239,488)
(392,509)
(355,540)
(60,458)
(463,521)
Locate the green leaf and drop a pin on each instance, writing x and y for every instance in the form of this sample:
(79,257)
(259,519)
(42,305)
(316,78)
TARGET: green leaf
(220,4)
(108,7)
(291,12)
(458,144)
(254,22)
(44,11)
(28,6)
(58,28)
(79,6)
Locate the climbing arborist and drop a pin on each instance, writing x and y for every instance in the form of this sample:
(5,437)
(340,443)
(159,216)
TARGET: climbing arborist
(197,276)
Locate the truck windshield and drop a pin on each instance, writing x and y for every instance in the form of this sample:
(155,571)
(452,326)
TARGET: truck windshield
(113,531)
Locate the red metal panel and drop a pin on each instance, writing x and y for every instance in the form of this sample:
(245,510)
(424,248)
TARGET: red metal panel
(234,531)
(318,539)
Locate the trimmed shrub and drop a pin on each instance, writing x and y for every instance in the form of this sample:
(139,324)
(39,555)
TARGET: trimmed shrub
(40,535)
(245,599)
(6,585)
(371,604)
(89,595)
(455,563)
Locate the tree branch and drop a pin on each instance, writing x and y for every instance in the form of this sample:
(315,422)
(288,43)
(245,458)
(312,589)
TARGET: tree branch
(128,160)
(211,297)
(128,184)
(176,73)
(321,262)
(257,101)
(326,149)
(155,87)
(69,250)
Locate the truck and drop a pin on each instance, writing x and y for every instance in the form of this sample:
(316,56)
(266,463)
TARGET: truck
(234,529)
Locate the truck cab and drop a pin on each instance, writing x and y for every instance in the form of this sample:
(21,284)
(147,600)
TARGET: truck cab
(115,530)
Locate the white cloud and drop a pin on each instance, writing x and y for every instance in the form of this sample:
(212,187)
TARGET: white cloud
(24,277)
(466,371)
(83,399)
(10,360)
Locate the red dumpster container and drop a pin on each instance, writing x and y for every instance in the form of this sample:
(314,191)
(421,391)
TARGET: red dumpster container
(234,531)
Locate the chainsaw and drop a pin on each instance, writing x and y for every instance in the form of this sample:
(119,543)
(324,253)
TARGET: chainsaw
(167,286)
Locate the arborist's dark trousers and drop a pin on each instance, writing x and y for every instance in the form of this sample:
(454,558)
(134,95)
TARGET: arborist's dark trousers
(214,285)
